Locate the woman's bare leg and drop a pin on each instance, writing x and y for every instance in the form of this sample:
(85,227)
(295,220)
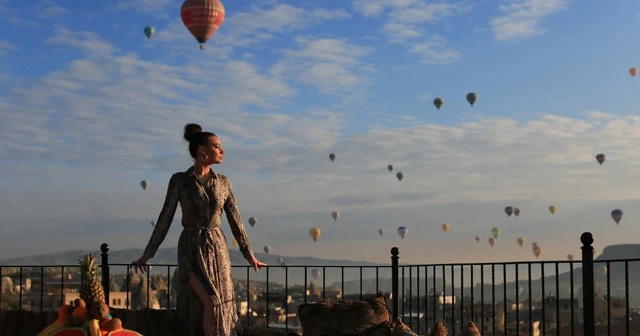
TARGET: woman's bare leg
(207,303)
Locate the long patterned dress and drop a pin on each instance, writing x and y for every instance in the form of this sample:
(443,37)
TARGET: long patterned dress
(202,247)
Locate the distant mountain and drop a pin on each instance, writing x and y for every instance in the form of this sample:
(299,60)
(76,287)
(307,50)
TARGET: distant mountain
(616,279)
(621,251)
(337,270)
(168,256)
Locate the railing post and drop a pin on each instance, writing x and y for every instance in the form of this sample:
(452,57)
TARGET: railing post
(104,248)
(394,283)
(587,285)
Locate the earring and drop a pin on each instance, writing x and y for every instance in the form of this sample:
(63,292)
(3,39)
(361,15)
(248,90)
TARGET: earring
(204,157)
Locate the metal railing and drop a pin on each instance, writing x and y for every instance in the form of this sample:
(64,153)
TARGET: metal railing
(505,298)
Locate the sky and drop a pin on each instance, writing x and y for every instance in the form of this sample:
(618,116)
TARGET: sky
(90,107)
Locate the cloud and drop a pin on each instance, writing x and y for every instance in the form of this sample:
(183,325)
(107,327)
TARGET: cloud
(13,15)
(48,9)
(242,84)
(426,96)
(429,12)
(522,18)
(462,174)
(249,28)
(331,65)
(83,40)
(376,7)
(434,50)
(139,98)
(405,25)
(154,7)
(598,115)
(6,46)
(92,129)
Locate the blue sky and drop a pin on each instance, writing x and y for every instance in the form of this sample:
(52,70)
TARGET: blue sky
(91,107)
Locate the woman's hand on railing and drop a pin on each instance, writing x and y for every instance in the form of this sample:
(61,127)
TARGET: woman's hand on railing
(139,264)
(256,263)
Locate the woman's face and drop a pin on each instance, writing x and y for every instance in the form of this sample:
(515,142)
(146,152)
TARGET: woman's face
(213,151)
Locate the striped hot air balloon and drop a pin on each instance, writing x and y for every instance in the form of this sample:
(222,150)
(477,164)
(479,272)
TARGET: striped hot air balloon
(202,18)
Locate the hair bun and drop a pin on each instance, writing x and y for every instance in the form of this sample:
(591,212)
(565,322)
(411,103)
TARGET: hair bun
(190,130)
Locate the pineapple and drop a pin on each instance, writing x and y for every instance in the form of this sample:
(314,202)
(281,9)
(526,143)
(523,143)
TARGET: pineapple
(91,289)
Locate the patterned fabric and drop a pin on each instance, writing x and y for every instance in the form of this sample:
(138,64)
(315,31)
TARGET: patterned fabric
(202,247)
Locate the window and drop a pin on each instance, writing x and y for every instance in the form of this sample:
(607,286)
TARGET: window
(113,302)
(119,302)
(71,303)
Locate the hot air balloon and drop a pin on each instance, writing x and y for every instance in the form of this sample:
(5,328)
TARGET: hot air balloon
(402,231)
(400,176)
(472,98)
(492,241)
(537,251)
(508,210)
(315,273)
(633,72)
(495,232)
(144,184)
(283,265)
(235,243)
(381,231)
(516,211)
(315,234)
(552,209)
(438,102)
(335,215)
(149,31)
(202,18)
(534,244)
(601,158)
(478,239)
(253,221)
(570,257)
(332,156)
(153,224)
(390,167)
(520,241)
(280,260)
(617,215)
(267,249)
(445,227)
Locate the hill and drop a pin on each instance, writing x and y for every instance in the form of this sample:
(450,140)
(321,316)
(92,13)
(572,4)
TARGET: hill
(334,272)
(168,256)
(616,279)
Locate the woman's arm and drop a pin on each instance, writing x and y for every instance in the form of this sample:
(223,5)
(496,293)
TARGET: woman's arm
(166,217)
(237,227)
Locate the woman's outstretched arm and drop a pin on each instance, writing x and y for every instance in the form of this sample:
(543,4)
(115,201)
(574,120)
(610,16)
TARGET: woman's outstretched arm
(166,217)
(237,227)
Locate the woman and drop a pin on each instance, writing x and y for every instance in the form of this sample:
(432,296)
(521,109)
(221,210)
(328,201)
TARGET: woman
(204,269)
